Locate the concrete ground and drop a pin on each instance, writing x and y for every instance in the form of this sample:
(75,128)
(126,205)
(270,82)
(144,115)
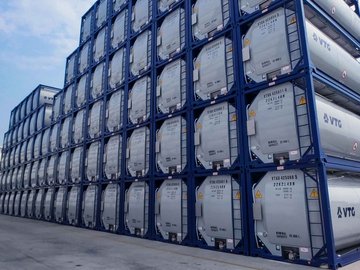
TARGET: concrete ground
(35,245)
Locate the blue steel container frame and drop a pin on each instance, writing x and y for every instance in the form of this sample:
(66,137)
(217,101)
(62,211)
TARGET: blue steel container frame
(318,160)
(158,22)
(241,94)
(74,54)
(157,173)
(134,34)
(91,12)
(240,177)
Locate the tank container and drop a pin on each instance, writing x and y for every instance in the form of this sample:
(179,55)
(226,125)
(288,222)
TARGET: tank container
(114,111)
(112,157)
(216,136)
(141,14)
(171,210)
(73,205)
(139,100)
(90,206)
(218,212)
(137,152)
(170,145)
(140,53)
(118,29)
(171,34)
(136,208)
(171,87)
(110,207)
(209,18)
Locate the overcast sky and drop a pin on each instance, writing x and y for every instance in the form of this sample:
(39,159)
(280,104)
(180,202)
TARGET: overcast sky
(36,36)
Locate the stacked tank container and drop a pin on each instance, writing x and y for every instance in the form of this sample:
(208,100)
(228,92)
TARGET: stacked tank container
(23,153)
(221,124)
(300,94)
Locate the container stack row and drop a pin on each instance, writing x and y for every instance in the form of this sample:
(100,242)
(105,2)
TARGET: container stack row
(204,123)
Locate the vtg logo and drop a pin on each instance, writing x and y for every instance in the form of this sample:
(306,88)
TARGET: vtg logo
(322,42)
(328,119)
(345,212)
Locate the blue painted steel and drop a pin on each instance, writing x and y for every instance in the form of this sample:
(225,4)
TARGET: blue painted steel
(241,94)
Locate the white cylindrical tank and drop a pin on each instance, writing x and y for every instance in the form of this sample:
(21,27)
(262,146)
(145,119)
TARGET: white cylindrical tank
(72,205)
(84,57)
(216,136)
(141,14)
(137,152)
(112,157)
(30,205)
(218,212)
(39,204)
(63,168)
(23,203)
(209,17)
(95,119)
(80,91)
(97,81)
(171,87)
(287,212)
(171,34)
(139,100)
(213,73)
(114,111)
(92,161)
(42,172)
(137,208)
(60,204)
(78,127)
(170,145)
(339,10)
(118,30)
(171,210)
(76,165)
(45,141)
(266,51)
(110,207)
(101,13)
(68,99)
(51,170)
(65,132)
(53,142)
(140,56)
(49,204)
(274,135)
(116,71)
(90,206)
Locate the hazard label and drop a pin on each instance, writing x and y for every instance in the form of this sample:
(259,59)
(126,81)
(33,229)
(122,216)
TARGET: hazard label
(302,101)
(314,194)
(258,195)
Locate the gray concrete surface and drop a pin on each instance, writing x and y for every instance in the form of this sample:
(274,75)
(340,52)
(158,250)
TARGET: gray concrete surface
(35,245)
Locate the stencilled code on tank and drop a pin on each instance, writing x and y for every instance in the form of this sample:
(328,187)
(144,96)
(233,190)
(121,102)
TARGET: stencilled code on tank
(137,193)
(284,187)
(208,24)
(214,115)
(171,127)
(212,52)
(217,188)
(275,99)
(268,25)
(171,190)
